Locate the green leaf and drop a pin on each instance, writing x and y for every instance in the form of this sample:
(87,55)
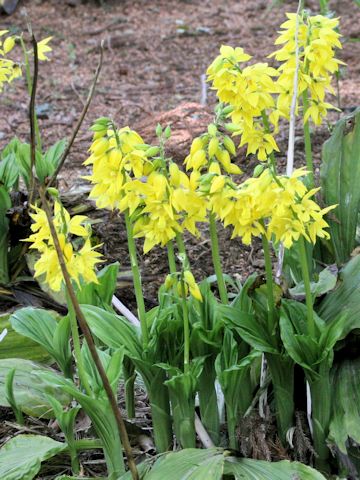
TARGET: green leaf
(253,330)
(15,345)
(100,294)
(189,464)
(326,282)
(213,463)
(112,365)
(53,155)
(345,421)
(246,469)
(9,171)
(345,299)
(117,332)
(113,330)
(100,412)
(21,457)
(29,389)
(41,326)
(340,177)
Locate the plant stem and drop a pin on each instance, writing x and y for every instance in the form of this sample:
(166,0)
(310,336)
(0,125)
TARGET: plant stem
(137,280)
(180,244)
(88,444)
(171,256)
(216,260)
(306,279)
(91,344)
(32,119)
(307,139)
(29,85)
(269,281)
(80,120)
(77,348)
(186,326)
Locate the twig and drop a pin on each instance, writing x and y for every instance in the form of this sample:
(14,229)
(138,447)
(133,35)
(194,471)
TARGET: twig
(291,141)
(80,120)
(202,433)
(32,120)
(125,311)
(203,97)
(90,341)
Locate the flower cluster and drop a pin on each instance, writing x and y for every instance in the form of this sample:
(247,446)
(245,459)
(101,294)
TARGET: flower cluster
(279,207)
(212,147)
(79,262)
(169,204)
(128,175)
(317,40)
(249,91)
(117,157)
(9,70)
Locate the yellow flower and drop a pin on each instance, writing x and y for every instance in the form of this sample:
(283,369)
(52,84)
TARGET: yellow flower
(79,263)
(43,48)
(193,286)
(9,70)
(317,40)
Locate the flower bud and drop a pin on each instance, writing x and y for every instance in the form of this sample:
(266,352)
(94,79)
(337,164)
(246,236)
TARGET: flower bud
(167,132)
(213,146)
(258,170)
(229,145)
(152,151)
(212,130)
(158,130)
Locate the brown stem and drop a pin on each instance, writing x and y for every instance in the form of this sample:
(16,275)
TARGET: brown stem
(90,341)
(32,120)
(18,266)
(80,120)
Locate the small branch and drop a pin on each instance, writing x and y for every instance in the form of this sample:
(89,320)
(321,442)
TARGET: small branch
(80,120)
(203,98)
(32,120)
(202,433)
(90,341)
(116,303)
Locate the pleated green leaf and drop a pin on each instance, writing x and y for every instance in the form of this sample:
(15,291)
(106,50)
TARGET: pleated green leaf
(246,469)
(214,463)
(21,457)
(345,422)
(30,391)
(15,345)
(340,177)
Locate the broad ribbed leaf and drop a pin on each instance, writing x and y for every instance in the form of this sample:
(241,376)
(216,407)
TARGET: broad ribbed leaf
(213,463)
(345,422)
(340,177)
(189,464)
(21,457)
(29,389)
(246,469)
(345,299)
(113,330)
(41,326)
(251,329)
(15,345)
(101,414)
